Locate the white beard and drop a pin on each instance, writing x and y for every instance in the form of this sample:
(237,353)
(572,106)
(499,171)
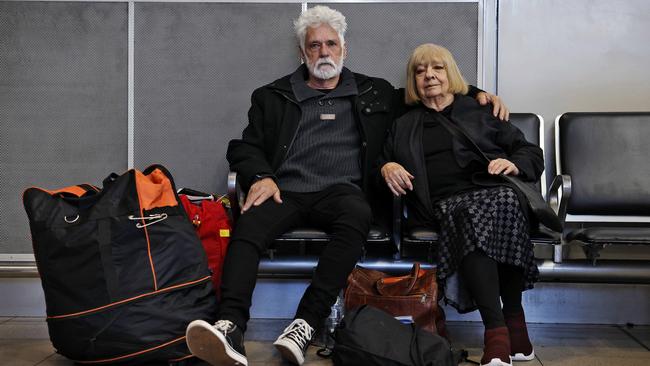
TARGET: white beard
(326,72)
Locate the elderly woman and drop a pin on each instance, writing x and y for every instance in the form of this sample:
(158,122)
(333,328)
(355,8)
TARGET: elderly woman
(485,254)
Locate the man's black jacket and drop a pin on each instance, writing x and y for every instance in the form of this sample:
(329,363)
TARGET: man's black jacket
(274,116)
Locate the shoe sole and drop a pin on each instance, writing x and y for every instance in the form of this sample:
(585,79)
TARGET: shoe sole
(523,357)
(496,362)
(289,352)
(211,346)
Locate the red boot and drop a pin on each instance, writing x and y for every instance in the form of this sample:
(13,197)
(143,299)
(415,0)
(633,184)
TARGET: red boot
(497,347)
(520,347)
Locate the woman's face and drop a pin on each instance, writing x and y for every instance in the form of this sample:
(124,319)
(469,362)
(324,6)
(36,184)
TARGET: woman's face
(431,80)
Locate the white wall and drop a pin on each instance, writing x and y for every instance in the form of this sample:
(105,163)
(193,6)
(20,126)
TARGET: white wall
(558,56)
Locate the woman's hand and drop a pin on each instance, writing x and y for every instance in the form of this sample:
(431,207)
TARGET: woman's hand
(505,166)
(397,178)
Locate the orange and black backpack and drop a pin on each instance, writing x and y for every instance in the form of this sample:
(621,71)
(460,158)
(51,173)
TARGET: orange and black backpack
(122,269)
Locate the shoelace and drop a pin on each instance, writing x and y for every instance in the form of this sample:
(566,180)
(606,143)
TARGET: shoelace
(224,326)
(300,332)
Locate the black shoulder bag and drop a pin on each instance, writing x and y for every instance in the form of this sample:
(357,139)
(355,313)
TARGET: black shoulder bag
(371,337)
(536,203)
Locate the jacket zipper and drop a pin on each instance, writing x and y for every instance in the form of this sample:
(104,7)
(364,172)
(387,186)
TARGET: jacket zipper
(362,133)
(286,151)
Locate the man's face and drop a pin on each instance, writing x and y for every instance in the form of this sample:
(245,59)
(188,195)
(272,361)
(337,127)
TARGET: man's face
(323,52)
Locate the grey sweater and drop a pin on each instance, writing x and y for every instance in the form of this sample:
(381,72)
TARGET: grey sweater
(327,145)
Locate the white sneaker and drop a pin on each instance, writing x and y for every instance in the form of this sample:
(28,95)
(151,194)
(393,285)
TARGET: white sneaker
(221,344)
(496,362)
(522,357)
(293,342)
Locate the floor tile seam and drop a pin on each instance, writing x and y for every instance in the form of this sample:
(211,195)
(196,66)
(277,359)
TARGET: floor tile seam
(24,339)
(23,323)
(45,359)
(629,334)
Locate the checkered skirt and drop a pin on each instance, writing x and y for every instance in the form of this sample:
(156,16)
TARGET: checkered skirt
(487,219)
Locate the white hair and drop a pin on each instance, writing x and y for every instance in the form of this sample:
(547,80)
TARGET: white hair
(316,16)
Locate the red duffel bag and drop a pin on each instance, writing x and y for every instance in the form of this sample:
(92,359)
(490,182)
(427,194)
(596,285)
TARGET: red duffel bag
(212,224)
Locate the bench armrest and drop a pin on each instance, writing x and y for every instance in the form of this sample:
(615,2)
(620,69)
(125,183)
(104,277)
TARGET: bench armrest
(235,195)
(397,222)
(559,194)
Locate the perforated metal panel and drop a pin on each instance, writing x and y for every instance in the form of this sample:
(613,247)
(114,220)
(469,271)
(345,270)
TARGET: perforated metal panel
(64,83)
(196,66)
(381,36)
(63,102)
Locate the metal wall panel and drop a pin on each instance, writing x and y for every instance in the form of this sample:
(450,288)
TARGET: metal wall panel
(559,56)
(577,303)
(381,36)
(64,83)
(196,66)
(63,105)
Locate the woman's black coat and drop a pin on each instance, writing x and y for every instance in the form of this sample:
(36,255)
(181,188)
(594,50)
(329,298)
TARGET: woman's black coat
(496,139)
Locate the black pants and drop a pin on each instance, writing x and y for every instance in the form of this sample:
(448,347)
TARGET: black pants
(489,282)
(340,210)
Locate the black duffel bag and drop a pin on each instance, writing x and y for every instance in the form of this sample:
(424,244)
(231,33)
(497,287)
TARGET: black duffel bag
(122,269)
(371,337)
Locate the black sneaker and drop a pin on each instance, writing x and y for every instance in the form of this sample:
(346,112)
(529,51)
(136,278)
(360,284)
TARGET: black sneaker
(293,342)
(218,344)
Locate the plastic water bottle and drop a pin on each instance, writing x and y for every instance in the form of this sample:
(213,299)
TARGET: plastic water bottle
(332,321)
(336,314)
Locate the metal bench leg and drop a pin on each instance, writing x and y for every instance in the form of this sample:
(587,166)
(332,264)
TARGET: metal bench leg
(558,252)
(592,252)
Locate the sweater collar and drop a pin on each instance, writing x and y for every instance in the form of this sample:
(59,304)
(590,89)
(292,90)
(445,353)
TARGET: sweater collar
(346,87)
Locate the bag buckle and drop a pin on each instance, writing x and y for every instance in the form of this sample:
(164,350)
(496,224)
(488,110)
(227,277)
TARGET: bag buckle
(71,221)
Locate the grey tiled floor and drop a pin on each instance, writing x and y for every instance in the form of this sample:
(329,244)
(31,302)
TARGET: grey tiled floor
(24,342)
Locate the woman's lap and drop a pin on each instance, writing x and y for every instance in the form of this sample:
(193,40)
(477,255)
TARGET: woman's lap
(490,220)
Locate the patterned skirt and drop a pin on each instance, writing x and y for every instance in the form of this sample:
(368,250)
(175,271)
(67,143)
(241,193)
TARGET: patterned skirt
(487,219)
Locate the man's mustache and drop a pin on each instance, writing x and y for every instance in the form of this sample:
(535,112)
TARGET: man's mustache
(325,61)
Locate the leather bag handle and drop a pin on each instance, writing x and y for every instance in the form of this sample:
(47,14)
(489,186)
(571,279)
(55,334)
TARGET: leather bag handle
(415,273)
(386,284)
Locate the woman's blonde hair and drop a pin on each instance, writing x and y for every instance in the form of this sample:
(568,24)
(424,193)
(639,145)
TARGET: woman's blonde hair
(427,54)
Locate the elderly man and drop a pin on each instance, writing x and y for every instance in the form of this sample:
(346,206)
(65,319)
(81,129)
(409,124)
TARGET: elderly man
(304,158)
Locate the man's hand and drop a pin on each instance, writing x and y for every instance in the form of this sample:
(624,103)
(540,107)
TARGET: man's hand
(259,192)
(498,166)
(397,178)
(498,108)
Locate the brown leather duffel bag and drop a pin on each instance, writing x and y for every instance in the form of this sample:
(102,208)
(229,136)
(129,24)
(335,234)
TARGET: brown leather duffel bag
(415,295)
